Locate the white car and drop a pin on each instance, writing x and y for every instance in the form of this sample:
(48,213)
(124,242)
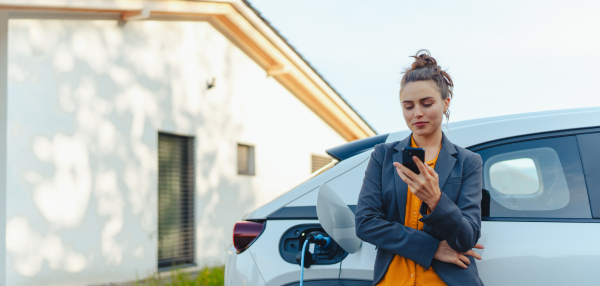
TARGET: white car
(540,207)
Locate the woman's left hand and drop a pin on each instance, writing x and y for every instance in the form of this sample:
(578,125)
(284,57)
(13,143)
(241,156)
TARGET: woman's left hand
(425,185)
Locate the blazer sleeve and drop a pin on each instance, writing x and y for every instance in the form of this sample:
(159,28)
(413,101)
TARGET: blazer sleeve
(460,223)
(372,227)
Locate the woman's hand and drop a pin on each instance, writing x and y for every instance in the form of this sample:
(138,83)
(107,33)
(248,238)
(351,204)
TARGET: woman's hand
(445,253)
(425,185)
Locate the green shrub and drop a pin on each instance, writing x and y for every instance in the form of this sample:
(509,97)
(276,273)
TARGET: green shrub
(210,276)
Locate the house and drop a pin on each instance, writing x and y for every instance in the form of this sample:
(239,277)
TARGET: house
(136,133)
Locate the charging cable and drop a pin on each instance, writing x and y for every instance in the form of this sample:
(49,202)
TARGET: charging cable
(322,241)
(302,263)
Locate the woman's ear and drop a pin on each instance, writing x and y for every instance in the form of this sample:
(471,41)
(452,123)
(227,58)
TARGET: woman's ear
(446,103)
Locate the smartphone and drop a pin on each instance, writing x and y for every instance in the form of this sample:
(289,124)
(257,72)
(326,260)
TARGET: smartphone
(407,155)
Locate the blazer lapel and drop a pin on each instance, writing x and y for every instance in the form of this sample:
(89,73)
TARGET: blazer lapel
(401,186)
(444,165)
(446,160)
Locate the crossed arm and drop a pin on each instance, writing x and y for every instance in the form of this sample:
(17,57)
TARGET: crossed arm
(459,230)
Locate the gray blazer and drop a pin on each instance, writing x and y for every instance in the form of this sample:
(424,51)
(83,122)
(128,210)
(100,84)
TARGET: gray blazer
(456,218)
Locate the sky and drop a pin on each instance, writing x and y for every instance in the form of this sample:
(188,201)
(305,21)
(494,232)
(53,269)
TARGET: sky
(505,57)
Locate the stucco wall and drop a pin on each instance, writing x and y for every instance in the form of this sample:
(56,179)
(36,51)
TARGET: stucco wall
(86,99)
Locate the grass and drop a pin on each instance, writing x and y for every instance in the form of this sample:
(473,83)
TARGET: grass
(210,276)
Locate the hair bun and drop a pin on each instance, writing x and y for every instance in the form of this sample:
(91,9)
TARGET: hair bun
(423,59)
(425,68)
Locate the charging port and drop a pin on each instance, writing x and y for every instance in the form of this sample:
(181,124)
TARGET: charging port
(292,240)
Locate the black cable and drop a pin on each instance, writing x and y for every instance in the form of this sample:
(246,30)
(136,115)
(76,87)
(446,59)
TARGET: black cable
(339,274)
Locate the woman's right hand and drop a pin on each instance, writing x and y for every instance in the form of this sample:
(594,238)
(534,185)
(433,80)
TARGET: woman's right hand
(445,253)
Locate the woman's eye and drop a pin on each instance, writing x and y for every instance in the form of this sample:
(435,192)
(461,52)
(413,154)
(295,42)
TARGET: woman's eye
(428,105)
(408,107)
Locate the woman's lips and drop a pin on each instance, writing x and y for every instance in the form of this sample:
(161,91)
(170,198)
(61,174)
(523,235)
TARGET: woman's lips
(420,124)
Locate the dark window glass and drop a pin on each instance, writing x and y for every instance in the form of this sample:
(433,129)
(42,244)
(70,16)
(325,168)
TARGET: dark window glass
(319,162)
(245,159)
(589,148)
(175,200)
(535,179)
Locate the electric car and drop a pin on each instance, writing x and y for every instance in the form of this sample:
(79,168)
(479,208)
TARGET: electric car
(540,208)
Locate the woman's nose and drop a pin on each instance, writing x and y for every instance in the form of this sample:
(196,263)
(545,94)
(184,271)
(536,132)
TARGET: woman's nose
(418,112)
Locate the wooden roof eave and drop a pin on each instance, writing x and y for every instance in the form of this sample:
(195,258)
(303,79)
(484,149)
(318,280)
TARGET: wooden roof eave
(245,29)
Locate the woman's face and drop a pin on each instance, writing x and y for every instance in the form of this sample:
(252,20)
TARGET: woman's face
(423,107)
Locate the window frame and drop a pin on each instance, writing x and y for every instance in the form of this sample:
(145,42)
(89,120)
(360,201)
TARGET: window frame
(539,136)
(190,239)
(319,156)
(250,159)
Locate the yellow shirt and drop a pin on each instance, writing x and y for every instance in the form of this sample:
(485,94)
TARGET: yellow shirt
(403,271)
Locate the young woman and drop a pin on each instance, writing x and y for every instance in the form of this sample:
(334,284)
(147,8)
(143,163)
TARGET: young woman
(424,226)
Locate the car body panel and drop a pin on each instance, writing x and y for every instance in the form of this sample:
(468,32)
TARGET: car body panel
(539,253)
(241,269)
(346,185)
(312,184)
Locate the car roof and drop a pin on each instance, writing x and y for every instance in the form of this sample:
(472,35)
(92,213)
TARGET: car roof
(478,131)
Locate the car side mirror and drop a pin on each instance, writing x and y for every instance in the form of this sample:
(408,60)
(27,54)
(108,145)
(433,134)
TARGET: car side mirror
(337,219)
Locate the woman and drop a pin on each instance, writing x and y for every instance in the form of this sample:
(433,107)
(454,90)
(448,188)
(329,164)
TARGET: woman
(423,226)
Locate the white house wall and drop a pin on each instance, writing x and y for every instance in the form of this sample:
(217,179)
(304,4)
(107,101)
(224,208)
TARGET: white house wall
(86,99)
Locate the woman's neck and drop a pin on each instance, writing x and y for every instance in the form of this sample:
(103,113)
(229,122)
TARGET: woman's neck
(431,142)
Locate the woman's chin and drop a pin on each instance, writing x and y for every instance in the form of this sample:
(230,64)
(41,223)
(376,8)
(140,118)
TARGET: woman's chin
(422,132)
(425,130)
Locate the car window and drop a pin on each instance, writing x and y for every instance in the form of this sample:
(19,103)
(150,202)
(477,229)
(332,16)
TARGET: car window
(537,179)
(514,176)
(590,155)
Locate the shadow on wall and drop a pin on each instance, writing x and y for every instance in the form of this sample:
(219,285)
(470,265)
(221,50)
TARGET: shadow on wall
(86,100)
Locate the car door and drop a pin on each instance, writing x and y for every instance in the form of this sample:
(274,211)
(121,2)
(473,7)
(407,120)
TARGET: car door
(537,223)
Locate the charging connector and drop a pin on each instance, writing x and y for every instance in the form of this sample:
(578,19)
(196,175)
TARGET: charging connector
(318,239)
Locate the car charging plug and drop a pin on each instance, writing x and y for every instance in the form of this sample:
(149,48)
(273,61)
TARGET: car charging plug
(318,239)
(306,255)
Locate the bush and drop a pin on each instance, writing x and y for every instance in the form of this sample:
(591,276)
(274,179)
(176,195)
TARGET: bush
(213,276)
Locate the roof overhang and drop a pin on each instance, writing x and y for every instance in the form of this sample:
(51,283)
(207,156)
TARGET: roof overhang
(247,30)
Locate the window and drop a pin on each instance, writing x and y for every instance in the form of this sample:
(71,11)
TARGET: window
(175,200)
(538,179)
(515,176)
(590,156)
(245,159)
(319,162)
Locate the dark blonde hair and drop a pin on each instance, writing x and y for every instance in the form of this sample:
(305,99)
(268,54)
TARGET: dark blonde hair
(425,68)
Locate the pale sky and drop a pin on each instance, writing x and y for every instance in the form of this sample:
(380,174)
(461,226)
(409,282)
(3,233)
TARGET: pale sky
(505,56)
